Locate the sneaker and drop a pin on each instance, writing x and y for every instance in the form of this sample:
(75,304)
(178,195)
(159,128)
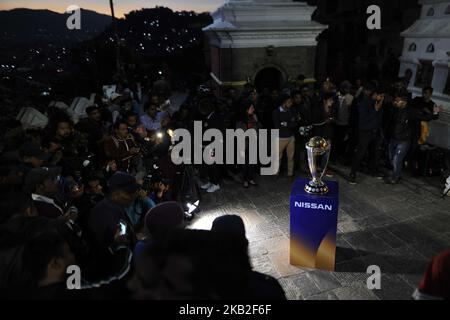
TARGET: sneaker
(206,186)
(213,188)
(253,183)
(378,175)
(390,180)
(246,185)
(352,179)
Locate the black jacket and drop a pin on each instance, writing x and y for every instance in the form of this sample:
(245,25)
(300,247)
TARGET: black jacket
(103,222)
(286,121)
(369,118)
(402,124)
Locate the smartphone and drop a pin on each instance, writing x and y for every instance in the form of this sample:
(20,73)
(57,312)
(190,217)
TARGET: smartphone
(123,228)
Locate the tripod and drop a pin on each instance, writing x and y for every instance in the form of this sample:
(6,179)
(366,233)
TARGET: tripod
(189,192)
(447,188)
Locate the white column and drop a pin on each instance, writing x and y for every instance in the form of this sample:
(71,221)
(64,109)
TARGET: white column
(440,75)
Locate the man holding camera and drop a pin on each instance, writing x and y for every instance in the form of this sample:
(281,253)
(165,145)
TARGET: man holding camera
(42,184)
(122,147)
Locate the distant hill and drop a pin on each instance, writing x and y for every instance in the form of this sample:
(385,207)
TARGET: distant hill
(25,26)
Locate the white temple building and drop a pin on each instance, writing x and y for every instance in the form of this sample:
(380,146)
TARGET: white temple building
(263,40)
(426,60)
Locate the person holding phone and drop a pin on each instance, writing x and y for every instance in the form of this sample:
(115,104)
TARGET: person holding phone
(122,147)
(370,111)
(108,222)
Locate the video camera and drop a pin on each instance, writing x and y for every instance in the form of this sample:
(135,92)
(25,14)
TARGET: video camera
(154,176)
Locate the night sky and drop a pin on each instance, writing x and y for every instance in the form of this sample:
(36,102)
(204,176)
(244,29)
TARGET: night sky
(122,6)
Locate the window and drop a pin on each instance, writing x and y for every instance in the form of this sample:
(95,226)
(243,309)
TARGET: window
(430,12)
(425,73)
(412,47)
(430,48)
(447,11)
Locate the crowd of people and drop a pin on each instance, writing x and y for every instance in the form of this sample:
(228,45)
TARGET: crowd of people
(104,195)
(372,127)
(382,125)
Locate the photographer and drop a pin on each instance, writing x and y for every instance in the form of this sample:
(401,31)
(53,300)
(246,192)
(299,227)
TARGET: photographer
(110,168)
(72,144)
(139,207)
(156,186)
(95,129)
(122,147)
(42,184)
(92,194)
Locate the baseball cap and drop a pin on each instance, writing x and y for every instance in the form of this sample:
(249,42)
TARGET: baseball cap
(122,181)
(38,176)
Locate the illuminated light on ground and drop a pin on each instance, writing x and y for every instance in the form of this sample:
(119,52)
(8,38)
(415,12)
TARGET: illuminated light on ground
(203,221)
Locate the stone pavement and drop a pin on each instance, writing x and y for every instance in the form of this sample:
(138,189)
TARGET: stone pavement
(398,228)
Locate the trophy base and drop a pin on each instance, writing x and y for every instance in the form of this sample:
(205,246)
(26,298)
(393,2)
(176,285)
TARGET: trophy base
(314,189)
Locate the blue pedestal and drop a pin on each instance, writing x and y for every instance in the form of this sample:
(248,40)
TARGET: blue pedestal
(314,227)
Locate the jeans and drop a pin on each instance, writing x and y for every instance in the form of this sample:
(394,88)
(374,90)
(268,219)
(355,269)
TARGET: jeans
(397,154)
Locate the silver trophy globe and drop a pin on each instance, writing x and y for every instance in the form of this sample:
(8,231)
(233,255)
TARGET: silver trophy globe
(318,150)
